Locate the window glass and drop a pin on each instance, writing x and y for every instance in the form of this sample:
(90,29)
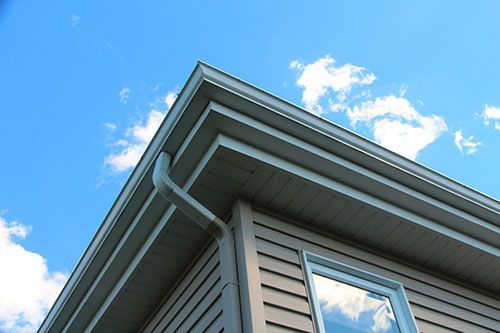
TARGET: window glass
(348,309)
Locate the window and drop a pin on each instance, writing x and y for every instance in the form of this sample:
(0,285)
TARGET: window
(348,300)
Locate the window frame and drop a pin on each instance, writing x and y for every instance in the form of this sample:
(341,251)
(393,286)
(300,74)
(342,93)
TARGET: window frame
(313,263)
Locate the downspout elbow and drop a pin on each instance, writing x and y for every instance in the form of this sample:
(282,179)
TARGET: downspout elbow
(182,200)
(161,180)
(212,224)
(186,203)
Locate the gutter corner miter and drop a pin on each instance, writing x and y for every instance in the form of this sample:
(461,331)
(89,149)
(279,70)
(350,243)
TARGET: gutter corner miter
(213,225)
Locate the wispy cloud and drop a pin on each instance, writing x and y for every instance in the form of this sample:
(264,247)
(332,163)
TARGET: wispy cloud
(110,127)
(91,42)
(324,75)
(397,125)
(393,120)
(124,94)
(127,151)
(74,20)
(491,116)
(27,287)
(466,145)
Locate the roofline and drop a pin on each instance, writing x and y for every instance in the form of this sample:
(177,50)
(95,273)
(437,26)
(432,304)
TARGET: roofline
(349,138)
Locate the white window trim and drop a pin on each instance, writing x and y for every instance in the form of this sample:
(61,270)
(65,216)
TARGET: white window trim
(313,263)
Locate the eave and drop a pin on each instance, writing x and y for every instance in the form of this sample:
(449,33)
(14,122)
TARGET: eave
(216,112)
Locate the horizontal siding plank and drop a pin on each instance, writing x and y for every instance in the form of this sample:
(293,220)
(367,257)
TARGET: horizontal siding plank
(269,248)
(292,320)
(278,266)
(426,327)
(285,300)
(452,310)
(282,282)
(271,328)
(447,321)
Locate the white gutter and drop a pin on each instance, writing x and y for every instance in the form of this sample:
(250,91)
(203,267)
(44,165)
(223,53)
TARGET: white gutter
(216,227)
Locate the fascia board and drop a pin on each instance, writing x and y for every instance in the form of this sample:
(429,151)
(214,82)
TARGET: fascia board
(359,149)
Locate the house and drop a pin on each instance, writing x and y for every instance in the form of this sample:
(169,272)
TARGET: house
(249,214)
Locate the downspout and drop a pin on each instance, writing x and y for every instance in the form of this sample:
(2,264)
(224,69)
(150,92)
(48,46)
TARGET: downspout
(216,227)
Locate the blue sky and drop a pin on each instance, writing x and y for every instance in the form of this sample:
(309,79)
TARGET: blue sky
(84,83)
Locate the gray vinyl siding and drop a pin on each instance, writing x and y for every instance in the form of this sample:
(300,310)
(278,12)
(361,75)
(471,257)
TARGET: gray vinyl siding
(437,304)
(195,304)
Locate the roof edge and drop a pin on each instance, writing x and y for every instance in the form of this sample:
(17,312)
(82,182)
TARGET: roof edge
(359,143)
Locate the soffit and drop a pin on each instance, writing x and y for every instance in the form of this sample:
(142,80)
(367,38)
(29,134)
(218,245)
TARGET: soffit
(231,174)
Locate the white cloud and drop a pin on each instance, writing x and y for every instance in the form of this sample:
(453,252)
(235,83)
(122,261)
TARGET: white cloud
(491,115)
(135,143)
(27,288)
(124,95)
(74,20)
(170,98)
(317,78)
(393,120)
(466,144)
(130,148)
(397,125)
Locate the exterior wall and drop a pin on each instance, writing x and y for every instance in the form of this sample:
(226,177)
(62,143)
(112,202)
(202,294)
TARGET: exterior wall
(195,304)
(277,283)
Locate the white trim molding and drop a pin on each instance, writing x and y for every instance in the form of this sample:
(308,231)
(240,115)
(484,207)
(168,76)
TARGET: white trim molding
(393,290)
